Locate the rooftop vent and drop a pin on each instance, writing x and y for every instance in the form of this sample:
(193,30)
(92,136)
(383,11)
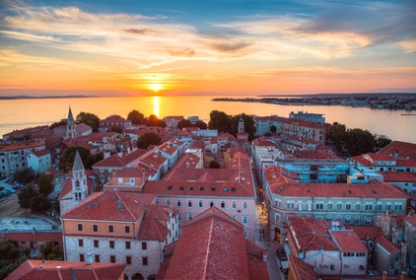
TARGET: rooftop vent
(169,188)
(201,188)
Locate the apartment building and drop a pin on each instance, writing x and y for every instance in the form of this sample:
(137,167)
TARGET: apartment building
(120,227)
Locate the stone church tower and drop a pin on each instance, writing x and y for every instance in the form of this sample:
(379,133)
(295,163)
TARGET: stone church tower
(79,181)
(71,131)
(240,125)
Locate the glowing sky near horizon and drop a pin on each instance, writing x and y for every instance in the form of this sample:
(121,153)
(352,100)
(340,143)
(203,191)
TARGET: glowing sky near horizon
(227,47)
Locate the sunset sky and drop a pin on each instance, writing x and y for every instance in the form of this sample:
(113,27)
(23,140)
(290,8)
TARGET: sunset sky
(228,47)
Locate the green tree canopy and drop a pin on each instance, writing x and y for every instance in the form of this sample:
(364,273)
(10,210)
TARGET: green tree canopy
(46,184)
(381,141)
(201,125)
(338,134)
(359,141)
(116,128)
(147,139)
(40,203)
(153,120)
(248,125)
(89,119)
(220,121)
(67,159)
(25,175)
(185,123)
(26,195)
(56,124)
(136,117)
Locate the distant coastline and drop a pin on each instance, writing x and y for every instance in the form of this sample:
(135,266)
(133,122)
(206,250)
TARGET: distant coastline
(46,97)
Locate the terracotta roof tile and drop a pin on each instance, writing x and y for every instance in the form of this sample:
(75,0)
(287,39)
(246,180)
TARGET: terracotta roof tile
(41,153)
(348,241)
(386,244)
(153,226)
(398,176)
(104,206)
(302,270)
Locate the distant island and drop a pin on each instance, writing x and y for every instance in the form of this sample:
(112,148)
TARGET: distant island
(46,97)
(392,101)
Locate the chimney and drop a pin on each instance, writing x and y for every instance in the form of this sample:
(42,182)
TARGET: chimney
(384,277)
(403,276)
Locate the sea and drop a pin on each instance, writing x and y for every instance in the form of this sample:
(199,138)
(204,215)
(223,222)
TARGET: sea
(24,113)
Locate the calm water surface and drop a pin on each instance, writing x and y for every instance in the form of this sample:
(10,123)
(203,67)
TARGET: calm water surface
(18,114)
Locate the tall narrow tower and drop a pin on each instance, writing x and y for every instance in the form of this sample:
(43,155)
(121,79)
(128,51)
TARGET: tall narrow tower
(79,180)
(240,125)
(71,132)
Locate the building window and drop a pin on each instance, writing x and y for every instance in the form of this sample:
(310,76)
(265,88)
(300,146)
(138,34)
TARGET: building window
(200,204)
(128,245)
(319,205)
(144,245)
(178,203)
(234,217)
(356,220)
(113,259)
(398,207)
(347,220)
(157,201)
(222,204)
(94,228)
(234,204)
(189,203)
(211,203)
(110,228)
(111,244)
(96,244)
(348,206)
(368,207)
(81,258)
(388,206)
(245,205)
(245,220)
(290,205)
(367,221)
(179,218)
(246,234)
(126,229)
(80,227)
(145,262)
(357,206)
(329,206)
(80,243)
(277,217)
(128,260)
(168,201)
(190,216)
(97,258)
(339,205)
(378,207)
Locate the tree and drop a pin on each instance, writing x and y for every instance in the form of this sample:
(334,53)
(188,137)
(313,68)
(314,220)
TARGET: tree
(116,128)
(153,120)
(358,141)
(26,195)
(273,129)
(136,117)
(201,125)
(56,124)
(89,119)
(248,125)
(40,203)
(214,164)
(381,141)
(337,134)
(46,184)
(184,123)
(147,139)
(67,160)
(25,175)
(220,121)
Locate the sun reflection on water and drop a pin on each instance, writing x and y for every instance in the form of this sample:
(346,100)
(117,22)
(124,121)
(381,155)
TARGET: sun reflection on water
(156,105)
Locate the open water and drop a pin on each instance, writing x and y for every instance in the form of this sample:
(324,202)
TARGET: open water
(22,113)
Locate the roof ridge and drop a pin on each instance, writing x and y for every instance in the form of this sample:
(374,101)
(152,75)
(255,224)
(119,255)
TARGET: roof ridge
(208,251)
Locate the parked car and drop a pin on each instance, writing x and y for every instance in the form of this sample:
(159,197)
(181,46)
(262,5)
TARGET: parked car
(4,194)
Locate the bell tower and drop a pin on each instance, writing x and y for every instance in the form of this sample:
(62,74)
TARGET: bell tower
(71,132)
(79,180)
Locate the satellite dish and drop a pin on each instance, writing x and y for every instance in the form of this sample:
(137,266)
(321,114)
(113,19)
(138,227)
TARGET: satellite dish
(337,223)
(333,223)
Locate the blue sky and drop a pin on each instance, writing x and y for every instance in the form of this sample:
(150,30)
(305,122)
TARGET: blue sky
(229,46)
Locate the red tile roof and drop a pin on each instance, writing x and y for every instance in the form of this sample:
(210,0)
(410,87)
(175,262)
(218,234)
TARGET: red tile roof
(212,246)
(302,270)
(364,232)
(104,206)
(398,176)
(40,270)
(154,222)
(41,153)
(348,241)
(404,149)
(387,245)
(20,146)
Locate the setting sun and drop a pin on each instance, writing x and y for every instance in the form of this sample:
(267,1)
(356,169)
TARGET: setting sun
(156,87)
